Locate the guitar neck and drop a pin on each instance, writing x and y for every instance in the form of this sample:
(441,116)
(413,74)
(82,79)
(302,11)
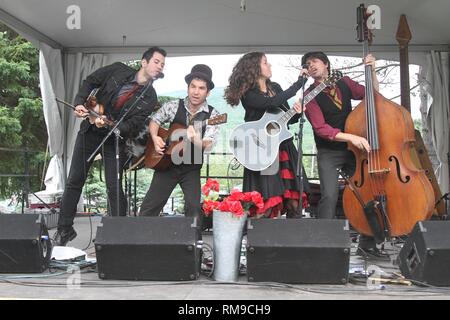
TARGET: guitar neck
(308,98)
(202,124)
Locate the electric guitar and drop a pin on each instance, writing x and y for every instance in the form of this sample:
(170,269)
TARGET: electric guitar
(255,144)
(159,161)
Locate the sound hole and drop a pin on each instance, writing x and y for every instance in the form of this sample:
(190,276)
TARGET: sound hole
(397,165)
(273,128)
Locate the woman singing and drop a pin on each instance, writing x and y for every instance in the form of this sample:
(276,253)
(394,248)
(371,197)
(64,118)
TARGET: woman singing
(250,83)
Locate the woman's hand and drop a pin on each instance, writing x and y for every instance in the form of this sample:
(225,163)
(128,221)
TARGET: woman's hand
(304,73)
(298,107)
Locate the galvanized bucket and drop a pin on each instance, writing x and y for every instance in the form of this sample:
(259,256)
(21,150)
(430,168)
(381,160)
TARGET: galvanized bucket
(227,239)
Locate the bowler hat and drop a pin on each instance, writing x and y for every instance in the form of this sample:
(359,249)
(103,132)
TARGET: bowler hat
(203,72)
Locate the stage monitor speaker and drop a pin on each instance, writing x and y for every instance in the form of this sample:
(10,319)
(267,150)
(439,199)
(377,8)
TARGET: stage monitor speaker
(148,248)
(298,251)
(25,246)
(425,257)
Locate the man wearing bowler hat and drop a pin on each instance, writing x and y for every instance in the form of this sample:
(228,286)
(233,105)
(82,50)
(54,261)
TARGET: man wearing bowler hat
(186,171)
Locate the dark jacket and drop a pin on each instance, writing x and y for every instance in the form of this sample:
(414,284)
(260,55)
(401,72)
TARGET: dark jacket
(110,79)
(256,103)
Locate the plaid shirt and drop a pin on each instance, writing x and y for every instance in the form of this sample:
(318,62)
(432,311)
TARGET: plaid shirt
(167,113)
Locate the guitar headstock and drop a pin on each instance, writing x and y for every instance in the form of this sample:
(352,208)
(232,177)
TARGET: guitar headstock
(221,118)
(334,77)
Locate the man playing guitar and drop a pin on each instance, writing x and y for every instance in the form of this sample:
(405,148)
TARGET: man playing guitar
(187,171)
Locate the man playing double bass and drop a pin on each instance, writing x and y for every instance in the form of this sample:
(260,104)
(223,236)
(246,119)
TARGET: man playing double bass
(327,114)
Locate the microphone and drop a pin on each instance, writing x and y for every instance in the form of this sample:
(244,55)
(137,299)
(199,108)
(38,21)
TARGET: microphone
(304,66)
(159,76)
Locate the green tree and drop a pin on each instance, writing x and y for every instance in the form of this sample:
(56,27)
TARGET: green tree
(22,122)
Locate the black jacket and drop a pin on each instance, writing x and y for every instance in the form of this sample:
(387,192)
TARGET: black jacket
(257,103)
(110,79)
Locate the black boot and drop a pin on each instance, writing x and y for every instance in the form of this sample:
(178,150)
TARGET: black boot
(368,248)
(294,214)
(64,235)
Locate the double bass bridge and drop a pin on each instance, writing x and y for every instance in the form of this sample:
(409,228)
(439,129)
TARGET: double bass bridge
(380,171)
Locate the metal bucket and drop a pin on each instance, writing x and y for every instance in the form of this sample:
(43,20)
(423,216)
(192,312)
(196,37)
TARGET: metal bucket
(227,239)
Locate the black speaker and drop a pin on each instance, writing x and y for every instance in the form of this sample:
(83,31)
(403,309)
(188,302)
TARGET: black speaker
(148,248)
(25,246)
(425,256)
(298,250)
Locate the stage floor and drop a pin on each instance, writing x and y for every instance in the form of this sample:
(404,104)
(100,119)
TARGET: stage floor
(87,285)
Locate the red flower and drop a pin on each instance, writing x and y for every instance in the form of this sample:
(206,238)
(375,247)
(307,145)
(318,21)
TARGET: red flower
(209,206)
(257,199)
(247,197)
(236,208)
(236,195)
(237,202)
(210,185)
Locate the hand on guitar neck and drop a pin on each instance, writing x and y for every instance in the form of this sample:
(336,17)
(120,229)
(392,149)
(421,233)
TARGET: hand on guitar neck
(298,107)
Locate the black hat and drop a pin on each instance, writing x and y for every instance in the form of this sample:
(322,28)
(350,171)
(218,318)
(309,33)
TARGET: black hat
(201,71)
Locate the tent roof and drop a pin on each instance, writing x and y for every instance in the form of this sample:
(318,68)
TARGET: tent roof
(219,26)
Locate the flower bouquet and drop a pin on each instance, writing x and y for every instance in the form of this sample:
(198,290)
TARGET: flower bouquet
(237,202)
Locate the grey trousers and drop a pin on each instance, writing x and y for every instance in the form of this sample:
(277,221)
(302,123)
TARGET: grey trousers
(329,161)
(163,183)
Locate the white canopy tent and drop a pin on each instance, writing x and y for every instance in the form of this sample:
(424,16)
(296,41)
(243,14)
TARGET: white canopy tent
(76,37)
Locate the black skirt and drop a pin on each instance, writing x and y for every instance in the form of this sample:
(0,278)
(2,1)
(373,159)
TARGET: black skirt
(280,186)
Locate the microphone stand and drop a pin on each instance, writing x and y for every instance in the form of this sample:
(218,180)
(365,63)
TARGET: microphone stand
(445,198)
(116,132)
(299,169)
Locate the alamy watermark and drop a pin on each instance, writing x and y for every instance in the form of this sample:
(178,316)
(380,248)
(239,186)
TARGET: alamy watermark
(73,21)
(374,20)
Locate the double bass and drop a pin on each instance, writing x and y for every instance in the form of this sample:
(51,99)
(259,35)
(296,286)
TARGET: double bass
(387,194)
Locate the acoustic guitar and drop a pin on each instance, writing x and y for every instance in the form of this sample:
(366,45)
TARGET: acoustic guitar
(159,161)
(255,144)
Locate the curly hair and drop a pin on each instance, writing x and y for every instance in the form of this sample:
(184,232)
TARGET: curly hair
(244,77)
